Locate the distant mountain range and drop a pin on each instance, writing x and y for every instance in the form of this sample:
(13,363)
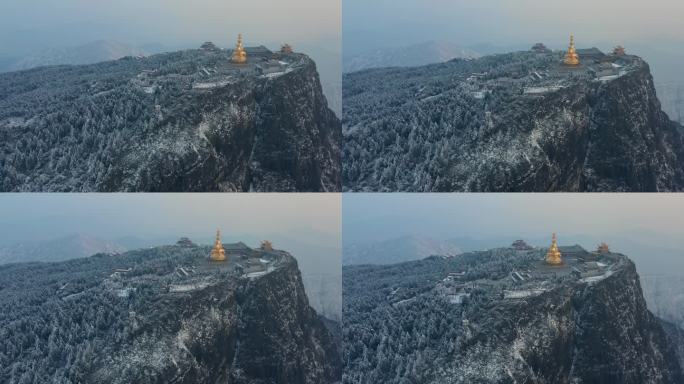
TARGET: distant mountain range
(60,249)
(405,248)
(407,56)
(93,52)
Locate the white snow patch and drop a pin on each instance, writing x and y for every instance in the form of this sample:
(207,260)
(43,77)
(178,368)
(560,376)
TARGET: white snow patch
(253,275)
(215,84)
(202,130)
(125,292)
(541,90)
(188,287)
(605,79)
(523,293)
(595,279)
(273,75)
(457,298)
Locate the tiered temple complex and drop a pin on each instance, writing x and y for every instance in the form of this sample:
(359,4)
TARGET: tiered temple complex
(218,253)
(571,57)
(553,256)
(239,53)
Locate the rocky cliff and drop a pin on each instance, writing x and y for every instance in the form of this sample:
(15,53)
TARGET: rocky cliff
(514,122)
(183,121)
(501,316)
(164,315)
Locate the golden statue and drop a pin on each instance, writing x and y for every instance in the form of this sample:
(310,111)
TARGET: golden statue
(571,57)
(553,256)
(603,248)
(619,51)
(286,48)
(218,253)
(266,245)
(239,54)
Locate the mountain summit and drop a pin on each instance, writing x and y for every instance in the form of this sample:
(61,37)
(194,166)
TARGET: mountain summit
(184,121)
(522,121)
(164,315)
(506,316)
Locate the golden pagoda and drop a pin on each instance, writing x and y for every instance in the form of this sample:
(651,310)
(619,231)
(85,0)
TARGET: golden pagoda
(218,253)
(266,245)
(571,57)
(239,53)
(553,256)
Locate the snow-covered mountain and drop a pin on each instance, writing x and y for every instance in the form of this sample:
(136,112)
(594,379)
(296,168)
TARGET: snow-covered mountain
(408,56)
(93,52)
(511,122)
(420,322)
(164,315)
(63,248)
(181,121)
(397,250)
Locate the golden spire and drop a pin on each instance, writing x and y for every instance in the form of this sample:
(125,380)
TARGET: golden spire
(553,256)
(571,57)
(239,54)
(218,253)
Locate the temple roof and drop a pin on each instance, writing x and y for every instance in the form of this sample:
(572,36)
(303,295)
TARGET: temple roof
(590,52)
(260,50)
(240,246)
(571,249)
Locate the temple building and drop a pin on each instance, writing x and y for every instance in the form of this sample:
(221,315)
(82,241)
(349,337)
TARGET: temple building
(521,245)
(218,253)
(540,48)
(239,53)
(553,256)
(590,55)
(266,246)
(603,248)
(286,48)
(185,242)
(208,46)
(571,57)
(619,51)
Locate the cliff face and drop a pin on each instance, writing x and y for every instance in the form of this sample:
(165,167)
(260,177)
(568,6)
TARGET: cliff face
(258,331)
(184,121)
(166,315)
(515,122)
(601,334)
(606,137)
(488,327)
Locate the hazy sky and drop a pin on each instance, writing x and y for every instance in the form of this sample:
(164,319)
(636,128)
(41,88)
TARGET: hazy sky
(649,228)
(509,22)
(50,22)
(367,217)
(312,218)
